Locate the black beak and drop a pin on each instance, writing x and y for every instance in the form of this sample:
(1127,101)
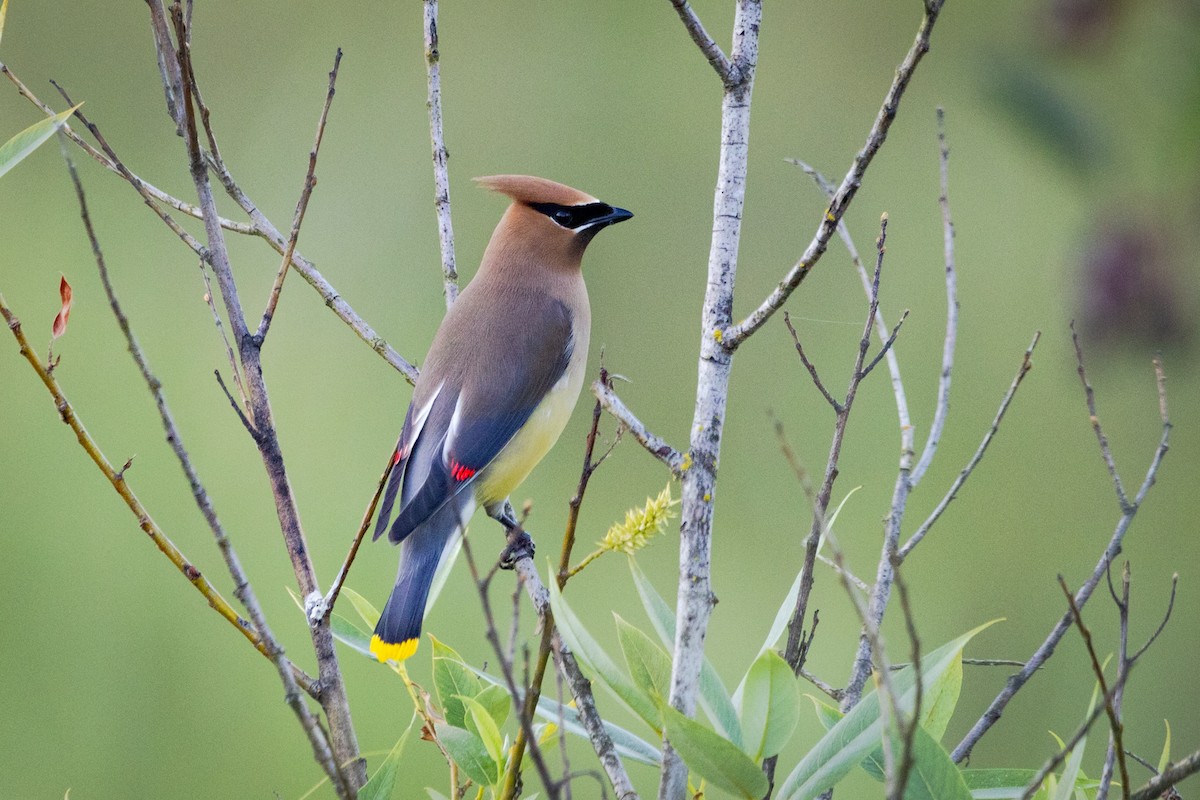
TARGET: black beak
(617,215)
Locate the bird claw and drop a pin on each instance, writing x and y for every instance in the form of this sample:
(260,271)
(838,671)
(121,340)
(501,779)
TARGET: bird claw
(520,545)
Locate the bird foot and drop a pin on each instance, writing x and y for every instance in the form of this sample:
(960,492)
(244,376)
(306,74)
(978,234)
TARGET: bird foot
(520,545)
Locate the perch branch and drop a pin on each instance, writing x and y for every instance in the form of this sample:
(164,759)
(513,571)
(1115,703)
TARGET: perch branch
(677,462)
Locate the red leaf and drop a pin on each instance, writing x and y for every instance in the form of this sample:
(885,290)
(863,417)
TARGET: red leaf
(60,321)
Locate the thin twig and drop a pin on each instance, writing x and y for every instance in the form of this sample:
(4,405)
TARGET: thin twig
(243,590)
(1115,543)
(310,181)
(325,607)
(548,631)
(1170,776)
(1090,397)
(658,447)
(948,343)
(117,478)
(437,136)
(736,334)
(711,50)
(333,695)
(808,365)
(1110,698)
(482,585)
(965,473)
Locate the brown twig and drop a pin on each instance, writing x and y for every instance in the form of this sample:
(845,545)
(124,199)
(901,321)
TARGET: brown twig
(1162,783)
(546,643)
(333,695)
(482,585)
(1111,551)
(965,473)
(1111,706)
(310,182)
(734,335)
(656,446)
(243,590)
(117,478)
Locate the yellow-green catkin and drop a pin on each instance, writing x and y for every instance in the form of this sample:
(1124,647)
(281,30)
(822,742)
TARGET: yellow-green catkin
(641,524)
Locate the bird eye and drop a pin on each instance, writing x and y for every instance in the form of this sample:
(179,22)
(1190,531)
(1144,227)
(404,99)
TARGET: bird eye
(563,217)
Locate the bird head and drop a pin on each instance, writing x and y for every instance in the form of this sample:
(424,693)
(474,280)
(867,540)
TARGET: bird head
(552,222)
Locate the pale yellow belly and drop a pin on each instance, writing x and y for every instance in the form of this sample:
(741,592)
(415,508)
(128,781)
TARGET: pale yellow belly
(537,436)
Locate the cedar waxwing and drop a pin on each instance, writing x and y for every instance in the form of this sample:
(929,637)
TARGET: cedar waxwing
(499,382)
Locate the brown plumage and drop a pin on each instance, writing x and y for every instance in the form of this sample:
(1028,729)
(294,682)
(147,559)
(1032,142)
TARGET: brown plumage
(499,382)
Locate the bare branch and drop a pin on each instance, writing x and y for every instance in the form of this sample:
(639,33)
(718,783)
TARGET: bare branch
(441,172)
(734,335)
(952,492)
(310,181)
(1170,776)
(948,343)
(1090,397)
(711,50)
(808,365)
(1039,657)
(677,462)
(119,484)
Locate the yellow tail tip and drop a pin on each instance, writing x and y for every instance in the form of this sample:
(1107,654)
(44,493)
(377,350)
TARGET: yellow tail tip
(393,651)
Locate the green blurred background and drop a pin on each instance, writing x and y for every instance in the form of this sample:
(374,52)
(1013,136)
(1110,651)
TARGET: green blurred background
(1074,188)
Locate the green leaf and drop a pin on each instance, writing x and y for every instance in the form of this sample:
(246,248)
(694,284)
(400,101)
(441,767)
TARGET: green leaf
(934,776)
(937,706)
(383,782)
(858,733)
(998,784)
(714,697)
(596,659)
(18,147)
(452,679)
(628,744)
(498,702)
(770,707)
(827,715)
(649,666)
(480,723)
(1165,758)
(469,752)
(713,757)
(363,606)
(3,14)
(434,794)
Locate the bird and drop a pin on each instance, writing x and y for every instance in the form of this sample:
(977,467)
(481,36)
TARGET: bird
(499,382)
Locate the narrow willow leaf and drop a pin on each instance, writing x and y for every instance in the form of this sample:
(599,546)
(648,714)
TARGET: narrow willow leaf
(1165,758)
(3,14)
(827,715)
(434,794)
(452,679)
(714,697)
(15,150)
(713,757)
(997,784)
(363,606)
(858,733)
(933,776)
(629,745)
(480,723)
(596,659)
(788,606)
(770,708)
(383,782)
(469,752)
(498,702)
(649,666)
